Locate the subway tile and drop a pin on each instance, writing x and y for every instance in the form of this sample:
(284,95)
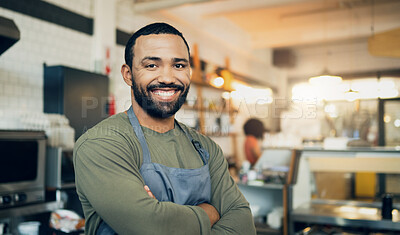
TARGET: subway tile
(13,101)
(3,101)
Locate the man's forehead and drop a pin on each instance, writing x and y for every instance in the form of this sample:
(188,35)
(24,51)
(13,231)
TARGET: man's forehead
(154,42)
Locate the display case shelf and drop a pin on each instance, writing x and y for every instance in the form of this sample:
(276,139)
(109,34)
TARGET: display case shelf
(346,214)
(332,201)
(265,185)
(263,229)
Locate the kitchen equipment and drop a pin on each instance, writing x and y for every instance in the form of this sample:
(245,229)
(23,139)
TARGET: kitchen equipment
(9,34)
(81,96)
(59,168)
(387,206)
(22,167)
(29,228)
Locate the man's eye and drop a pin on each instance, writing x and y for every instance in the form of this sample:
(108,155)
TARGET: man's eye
(151,66)
(180,66)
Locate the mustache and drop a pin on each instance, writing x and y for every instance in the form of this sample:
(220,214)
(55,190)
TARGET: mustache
(172,86)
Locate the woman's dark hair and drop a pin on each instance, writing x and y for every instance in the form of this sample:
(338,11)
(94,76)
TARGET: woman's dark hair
(255,128)
(155,28)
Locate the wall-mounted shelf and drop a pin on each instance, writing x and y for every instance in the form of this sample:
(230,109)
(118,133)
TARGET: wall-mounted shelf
(204,84)
(204,108)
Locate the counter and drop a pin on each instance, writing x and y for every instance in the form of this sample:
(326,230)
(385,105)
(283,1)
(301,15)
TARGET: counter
(351,162)
(346,214)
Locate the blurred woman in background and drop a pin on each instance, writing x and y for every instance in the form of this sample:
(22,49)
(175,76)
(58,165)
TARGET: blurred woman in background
(254,130)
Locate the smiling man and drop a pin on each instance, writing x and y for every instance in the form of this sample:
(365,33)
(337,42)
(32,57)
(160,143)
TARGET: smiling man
(141,171)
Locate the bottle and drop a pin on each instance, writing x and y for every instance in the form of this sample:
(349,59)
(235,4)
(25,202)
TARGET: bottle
(387,206)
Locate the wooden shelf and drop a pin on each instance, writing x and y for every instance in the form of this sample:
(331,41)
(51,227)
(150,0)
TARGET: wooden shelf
(202,110)
(204,84)
(216,135)
(196,108)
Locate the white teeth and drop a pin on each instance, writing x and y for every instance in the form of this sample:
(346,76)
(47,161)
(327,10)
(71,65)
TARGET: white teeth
(164,93)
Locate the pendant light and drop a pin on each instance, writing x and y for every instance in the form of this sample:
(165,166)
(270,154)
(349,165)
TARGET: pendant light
(325,78)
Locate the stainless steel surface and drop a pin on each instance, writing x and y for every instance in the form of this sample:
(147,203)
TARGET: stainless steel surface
(32,188)
(346,213)
(53,167)
(21,134)
(356,149)
(348,149)
(20,198)
(31,209)
(67,186)
(59,168)
(267,186)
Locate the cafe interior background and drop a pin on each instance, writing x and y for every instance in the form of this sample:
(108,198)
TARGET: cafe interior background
(322,75)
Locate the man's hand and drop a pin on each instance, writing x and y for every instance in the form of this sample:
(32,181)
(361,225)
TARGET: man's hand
(148,191)
(211,212)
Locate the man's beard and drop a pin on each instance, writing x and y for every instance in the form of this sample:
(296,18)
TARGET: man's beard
(159,109)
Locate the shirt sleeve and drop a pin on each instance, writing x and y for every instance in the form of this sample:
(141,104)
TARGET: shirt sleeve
(109,180)
(236,217)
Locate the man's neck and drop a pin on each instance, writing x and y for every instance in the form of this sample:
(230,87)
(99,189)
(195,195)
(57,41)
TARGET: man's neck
(160,125)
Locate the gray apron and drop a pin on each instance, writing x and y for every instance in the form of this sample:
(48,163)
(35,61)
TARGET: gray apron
(181,186)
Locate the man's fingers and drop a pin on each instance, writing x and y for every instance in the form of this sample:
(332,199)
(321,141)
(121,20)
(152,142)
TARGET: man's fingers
(148,191)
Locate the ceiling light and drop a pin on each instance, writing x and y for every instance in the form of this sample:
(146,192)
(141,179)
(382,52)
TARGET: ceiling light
(387,118)
(351,95)
(218,82)
(325,79)
(226,95)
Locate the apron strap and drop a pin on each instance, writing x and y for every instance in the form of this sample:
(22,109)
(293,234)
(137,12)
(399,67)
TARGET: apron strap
(139,133)
(202,152)
(145,149)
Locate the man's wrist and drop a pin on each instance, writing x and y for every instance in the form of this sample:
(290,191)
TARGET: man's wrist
(212,213)
(204,220)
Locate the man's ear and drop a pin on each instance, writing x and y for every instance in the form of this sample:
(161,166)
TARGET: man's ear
(126,74)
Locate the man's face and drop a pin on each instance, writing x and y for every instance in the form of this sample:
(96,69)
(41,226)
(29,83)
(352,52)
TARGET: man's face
(161,74)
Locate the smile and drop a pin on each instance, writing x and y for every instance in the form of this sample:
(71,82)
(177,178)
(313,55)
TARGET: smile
(163,93)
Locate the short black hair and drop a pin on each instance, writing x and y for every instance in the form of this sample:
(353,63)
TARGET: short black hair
(154,28)
(255,128)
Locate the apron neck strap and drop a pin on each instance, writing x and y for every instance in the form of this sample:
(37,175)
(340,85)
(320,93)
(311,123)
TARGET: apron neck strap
(145,148)
(139,133)
(195,143)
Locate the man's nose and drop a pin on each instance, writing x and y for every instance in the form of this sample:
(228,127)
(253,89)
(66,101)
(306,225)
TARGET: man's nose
(167,75)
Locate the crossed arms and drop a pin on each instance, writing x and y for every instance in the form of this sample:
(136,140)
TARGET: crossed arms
(111,188)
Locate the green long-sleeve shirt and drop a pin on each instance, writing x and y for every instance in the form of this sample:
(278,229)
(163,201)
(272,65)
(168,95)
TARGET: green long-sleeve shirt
(107,159)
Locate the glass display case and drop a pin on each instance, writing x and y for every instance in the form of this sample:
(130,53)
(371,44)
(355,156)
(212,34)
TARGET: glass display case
(344,190)
(268,189)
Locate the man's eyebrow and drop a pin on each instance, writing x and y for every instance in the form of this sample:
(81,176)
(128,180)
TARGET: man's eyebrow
(176,60)
(151,58)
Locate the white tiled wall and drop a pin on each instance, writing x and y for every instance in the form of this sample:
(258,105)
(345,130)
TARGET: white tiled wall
(21,66)
(82,7)
(120,89)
